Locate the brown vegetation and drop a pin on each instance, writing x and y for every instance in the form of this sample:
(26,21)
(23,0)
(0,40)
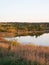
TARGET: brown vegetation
(14,29)
(30,52)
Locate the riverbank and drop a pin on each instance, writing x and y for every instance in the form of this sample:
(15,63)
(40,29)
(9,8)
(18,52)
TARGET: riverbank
(22,33)
(32,53)
(15,29)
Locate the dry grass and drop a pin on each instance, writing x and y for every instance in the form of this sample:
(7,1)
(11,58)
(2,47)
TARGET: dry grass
(29,52)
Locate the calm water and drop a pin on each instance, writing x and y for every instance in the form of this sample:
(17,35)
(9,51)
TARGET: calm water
(40,40)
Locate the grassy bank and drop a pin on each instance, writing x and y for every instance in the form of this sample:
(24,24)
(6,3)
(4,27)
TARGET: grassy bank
(14,53)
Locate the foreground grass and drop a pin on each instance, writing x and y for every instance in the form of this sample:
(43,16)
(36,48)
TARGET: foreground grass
(16,61)
(14,53)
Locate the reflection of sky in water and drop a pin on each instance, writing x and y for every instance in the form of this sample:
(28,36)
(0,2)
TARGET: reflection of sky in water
(40,40)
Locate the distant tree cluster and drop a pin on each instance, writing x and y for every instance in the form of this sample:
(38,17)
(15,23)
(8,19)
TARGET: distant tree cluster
(14,29)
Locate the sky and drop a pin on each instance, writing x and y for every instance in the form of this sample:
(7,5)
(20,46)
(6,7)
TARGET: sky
(24,10)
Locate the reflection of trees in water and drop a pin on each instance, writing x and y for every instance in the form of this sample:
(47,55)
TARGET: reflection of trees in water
(30,33)
(36,34)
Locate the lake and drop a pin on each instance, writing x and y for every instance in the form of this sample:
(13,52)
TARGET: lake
(42,40)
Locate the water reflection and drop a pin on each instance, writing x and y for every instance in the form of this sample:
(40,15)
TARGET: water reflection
(37,40)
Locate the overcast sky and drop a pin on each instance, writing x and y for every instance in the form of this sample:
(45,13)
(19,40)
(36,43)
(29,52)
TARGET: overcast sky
(24,10)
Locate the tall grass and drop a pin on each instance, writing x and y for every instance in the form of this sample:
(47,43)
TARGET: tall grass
(19,54)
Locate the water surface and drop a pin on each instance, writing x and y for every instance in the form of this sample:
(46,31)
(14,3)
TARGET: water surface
(42,40)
